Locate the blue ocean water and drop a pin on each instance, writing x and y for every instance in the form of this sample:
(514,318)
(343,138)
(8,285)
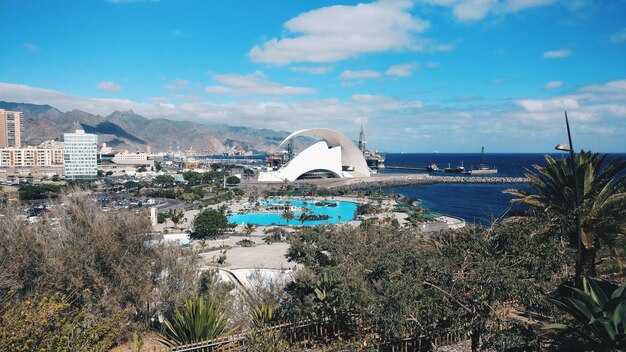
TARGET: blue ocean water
(475,203)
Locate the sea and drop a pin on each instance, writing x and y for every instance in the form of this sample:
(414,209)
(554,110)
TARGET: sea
(475,203)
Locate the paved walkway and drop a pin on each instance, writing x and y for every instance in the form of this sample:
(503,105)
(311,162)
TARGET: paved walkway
(260,256)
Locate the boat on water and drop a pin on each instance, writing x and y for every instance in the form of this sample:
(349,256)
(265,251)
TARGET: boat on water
(458,169)
(482,168)
(432,167)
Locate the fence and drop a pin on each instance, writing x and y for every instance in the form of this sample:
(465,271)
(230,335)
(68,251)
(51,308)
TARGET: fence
(321,332)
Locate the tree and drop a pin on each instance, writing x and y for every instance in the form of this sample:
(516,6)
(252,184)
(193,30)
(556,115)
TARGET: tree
(43,191)
(161,218)
(163,181)
(209,224)
(305,215)
(198,320)
(249,228)
(602,196)
(405,284)
(176,216)
(132,186)
(288,215)
(192,177)
(233,180)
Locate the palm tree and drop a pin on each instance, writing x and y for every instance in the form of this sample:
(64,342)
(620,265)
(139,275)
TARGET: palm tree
(249,228)
(288,215)
(304,215)
(198,320)
(602,195)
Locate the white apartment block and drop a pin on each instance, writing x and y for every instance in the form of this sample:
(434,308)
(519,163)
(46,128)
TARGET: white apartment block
(80,155)
(30,157)
(10,129)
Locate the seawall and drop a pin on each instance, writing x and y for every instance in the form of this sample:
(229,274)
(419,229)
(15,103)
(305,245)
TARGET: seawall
(394,180)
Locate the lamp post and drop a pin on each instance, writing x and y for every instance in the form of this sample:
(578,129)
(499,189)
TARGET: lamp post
(570,149)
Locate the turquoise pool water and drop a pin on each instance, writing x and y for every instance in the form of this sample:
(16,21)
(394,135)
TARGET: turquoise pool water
(343,212)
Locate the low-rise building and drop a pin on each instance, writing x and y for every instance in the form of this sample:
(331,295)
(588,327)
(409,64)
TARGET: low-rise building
(30,156)
(138,158)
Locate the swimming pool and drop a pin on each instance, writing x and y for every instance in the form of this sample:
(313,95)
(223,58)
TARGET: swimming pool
(342,212)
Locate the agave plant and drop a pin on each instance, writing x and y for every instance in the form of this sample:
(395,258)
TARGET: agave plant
(603,317)
(198,320)
(263,314)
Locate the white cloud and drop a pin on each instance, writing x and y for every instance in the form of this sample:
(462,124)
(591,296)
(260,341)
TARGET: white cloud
(256,83)
(218,90)
(557,54)
(432,64)
(335,33)
(619,36)
(361,74)
(402,70)
(109,86)
(475,10)
(178,84)
(553,84)
(543,105)
(31,47)
(315,70)
(472,10)
(596,111)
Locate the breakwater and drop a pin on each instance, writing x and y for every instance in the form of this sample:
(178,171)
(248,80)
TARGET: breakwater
(396,180)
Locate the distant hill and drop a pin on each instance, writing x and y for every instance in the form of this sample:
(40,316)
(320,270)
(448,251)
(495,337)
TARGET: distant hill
(125,130)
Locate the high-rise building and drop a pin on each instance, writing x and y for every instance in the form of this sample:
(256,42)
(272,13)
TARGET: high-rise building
(80,155)
(10,129)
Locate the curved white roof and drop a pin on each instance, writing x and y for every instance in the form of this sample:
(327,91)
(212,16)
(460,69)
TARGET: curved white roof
(350,153)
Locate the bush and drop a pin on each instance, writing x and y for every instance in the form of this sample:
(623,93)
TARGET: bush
(198,320)
(246,243)
(233,180)
(97,261)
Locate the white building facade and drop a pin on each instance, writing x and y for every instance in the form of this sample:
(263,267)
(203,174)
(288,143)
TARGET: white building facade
(334,156)
(80,155)
(133,159)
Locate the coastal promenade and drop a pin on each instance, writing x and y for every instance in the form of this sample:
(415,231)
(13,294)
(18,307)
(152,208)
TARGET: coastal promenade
(394,180)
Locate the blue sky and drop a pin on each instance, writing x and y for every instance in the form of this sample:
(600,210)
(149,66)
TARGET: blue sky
(420,76)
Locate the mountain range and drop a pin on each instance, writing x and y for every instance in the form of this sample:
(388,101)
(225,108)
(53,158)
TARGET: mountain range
(126,130)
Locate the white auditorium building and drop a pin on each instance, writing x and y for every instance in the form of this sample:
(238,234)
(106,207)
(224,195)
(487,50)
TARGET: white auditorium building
(335,155)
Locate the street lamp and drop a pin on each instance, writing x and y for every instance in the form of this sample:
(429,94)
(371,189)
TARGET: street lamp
(570,149)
